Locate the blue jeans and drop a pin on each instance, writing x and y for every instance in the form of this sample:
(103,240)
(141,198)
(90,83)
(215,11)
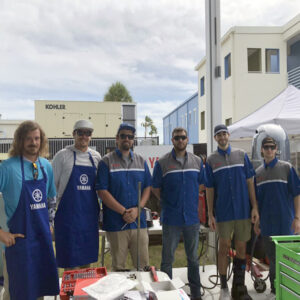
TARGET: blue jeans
(170,239)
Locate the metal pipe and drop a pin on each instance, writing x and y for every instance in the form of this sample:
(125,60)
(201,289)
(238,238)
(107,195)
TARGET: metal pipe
(138,226)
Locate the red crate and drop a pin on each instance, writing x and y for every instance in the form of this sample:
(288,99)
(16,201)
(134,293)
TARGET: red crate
(69,279)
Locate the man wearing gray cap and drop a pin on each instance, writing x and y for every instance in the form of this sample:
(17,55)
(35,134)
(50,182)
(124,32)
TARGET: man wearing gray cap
(76,219)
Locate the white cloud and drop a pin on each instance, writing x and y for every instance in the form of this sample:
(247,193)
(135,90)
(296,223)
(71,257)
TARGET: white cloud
(75,49)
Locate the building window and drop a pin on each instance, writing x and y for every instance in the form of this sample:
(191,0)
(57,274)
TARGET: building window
(228,121)
(227,64)
(272,60)
(202,120)
(190,118)
(195,116)
(254,59)
(202,86)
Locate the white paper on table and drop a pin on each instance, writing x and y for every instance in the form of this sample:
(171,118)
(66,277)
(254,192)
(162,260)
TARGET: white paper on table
(110,287)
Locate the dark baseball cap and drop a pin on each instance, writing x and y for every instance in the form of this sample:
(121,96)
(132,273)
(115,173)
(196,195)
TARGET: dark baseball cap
(126,126)
(268,140)
(220,128)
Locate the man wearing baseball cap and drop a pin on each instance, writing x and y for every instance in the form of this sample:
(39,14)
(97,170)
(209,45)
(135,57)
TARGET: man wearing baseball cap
(278,196)
(118,176)
(230,195)
(76,219)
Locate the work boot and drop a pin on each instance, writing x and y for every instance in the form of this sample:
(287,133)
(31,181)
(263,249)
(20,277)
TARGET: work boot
(224,294)
(239,292)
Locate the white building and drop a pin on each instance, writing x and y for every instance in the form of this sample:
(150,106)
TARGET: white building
(257,64)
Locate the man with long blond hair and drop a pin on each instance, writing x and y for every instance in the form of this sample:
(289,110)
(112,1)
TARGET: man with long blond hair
(27,184)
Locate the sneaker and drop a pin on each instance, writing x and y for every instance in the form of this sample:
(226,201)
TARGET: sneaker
(224,294)
(239,292)
(271,296)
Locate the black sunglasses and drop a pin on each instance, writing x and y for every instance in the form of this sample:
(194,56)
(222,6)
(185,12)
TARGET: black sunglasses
(123,136)
(272,147)
(178,137)
(35,171)
(84,132)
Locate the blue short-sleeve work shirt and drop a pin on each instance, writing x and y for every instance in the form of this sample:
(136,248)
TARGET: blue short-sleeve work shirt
(276,186)
(122,182)
(179,186)
(227,172)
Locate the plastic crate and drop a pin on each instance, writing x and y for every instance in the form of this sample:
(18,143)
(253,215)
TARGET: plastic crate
(69,279)
(287,281)
(80,294)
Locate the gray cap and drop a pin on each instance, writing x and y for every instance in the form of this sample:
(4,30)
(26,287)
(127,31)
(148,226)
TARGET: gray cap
(80,124)
(220,128)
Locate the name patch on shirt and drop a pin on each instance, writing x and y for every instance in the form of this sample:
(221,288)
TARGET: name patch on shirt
(37,206)
(83,187)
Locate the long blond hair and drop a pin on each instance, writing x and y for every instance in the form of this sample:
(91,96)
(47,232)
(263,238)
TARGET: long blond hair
(20,135)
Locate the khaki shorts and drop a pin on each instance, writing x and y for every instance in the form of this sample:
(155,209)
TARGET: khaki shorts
(240,228)
(123,241)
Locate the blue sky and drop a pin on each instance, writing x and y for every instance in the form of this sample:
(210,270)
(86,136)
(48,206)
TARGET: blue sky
(74,50)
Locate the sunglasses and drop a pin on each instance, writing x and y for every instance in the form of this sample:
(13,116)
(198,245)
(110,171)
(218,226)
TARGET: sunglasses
(272,147)
(123,136)
(35,171)
(84,132)
(180,137)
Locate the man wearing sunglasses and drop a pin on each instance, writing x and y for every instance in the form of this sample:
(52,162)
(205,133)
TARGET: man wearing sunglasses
(119,173)
(27,185)
(278,196)
(176,179)
(229,181)
(76,219)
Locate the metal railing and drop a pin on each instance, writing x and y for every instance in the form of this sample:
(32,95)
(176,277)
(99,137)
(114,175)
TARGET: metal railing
(294,77)
(102,145)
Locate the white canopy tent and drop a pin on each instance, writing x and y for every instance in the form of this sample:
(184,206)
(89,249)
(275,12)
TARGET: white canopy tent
(284,110)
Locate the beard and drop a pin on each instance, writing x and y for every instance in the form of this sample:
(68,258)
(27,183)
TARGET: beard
(125,146)
(180,147)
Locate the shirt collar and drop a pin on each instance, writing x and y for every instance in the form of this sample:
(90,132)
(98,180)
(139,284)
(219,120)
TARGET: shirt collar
(224,152)
(174,154)
(119,153)
(271,164)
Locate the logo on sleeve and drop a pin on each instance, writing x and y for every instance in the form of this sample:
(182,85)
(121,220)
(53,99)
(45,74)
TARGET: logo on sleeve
(84,179)
(37,196)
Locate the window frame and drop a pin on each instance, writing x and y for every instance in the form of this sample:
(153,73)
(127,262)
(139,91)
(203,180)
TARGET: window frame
(278,60)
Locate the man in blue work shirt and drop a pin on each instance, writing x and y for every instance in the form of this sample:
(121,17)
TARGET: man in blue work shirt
(176,179)
(229,185)
(278,196)
(27,184)
(119,173)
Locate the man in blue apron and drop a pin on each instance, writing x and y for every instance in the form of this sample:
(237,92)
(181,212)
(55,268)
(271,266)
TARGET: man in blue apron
(76,219)
(117,184)
(27,183)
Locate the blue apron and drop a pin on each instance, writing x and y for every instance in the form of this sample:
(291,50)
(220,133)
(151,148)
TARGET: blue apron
(31,264)
(76,219)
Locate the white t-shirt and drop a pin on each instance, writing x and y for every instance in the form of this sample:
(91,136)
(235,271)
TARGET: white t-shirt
(63,163)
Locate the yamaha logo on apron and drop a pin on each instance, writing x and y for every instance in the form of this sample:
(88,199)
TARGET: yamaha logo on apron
(37,196)
(84,179)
